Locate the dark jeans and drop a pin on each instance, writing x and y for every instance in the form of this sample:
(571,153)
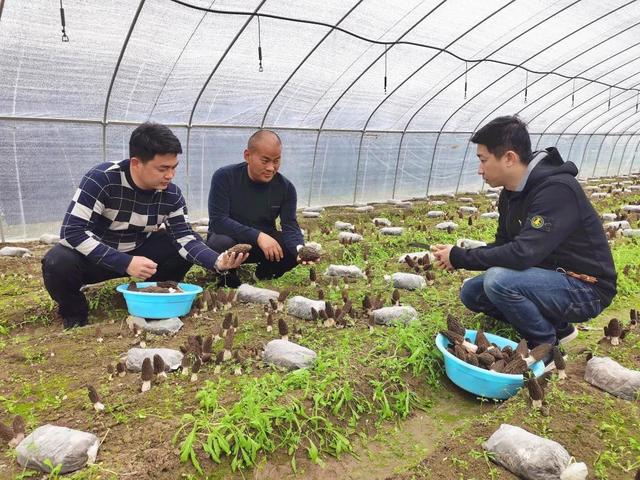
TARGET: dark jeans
(536,302)
(65,270)
(265,269)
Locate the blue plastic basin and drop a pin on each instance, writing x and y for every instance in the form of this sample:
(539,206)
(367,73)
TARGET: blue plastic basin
(159,305)
(479,381)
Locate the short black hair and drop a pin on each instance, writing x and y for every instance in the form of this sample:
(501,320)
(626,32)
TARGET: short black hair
(505,133)
(151,139)
(253,139)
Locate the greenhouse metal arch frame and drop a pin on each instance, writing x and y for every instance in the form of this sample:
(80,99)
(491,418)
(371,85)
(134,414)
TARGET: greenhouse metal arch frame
(337,85)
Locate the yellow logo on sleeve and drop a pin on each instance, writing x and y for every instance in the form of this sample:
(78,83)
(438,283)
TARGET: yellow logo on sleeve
(537,221)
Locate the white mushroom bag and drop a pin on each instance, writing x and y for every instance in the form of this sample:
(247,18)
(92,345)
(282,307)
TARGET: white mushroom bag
(532,457)
(49,446)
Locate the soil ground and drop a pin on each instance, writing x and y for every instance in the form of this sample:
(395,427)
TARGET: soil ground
(44,371)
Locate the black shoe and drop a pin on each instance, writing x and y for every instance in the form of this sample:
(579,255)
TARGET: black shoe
(230,280)
(566,334)
(72,322)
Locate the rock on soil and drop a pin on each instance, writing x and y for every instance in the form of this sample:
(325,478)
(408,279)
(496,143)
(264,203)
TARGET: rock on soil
(49,239)
(407,281)
(446,225)
(349,237)
(435,213)
(168,326)
(415,256)
(15,252)
(351,271)
(392,231)
(492,215)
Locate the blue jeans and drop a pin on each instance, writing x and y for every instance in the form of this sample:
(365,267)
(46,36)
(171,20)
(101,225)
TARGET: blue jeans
(536,302)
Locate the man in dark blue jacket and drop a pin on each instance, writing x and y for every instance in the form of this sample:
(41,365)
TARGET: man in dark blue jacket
(550,265)
(244,202)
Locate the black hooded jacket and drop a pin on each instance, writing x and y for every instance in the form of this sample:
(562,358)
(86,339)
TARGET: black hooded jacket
(550,224)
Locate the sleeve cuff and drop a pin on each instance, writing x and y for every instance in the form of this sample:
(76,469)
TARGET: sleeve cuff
(456,257)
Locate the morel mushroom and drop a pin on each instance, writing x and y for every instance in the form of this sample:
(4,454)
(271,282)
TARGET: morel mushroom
(216,332)
(312,276)
(99,337)
(219,360)
(159,366)
(614,330)
(454,325)
(207,349)
(270,322)
(227,323)
(282,296)
(273,304)
(559,362)
(11,435)
(240,358)
(538,353)
(195,368)
(121,368)
(146,375)
(459,339)
(283,329)
(239,248)
(110,371)
(228,345)
(308,254)
(517,366)
(98,406)
(330,321)
(185,363)
(536,393)
(395,297)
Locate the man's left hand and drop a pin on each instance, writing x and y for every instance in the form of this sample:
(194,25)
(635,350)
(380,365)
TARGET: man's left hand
(441,252)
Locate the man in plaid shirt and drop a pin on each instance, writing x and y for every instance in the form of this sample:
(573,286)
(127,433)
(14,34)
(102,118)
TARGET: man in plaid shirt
(127,218)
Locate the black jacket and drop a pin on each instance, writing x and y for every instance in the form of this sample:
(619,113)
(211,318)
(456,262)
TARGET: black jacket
(550,224)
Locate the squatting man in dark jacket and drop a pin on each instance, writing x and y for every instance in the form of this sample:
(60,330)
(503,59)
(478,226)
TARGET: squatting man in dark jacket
(550,265)
(244,202)
(127,218)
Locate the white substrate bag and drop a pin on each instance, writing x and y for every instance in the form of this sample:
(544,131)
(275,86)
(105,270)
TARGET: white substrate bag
(416,255)
(531,457)
(608,375)
(469,244)
(15,252)
(300,306)
(288,355)
(349,237)
(135,357)
(406,281)
(344,226)
(72,449)
(391,315)
(392,231)
(351,271)
(249,294)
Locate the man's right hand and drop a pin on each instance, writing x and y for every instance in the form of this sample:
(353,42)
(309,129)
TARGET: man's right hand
(141,267)
(270,247)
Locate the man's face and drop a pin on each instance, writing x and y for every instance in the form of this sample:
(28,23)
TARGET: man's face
(491,168)
(157,173)
(263,160)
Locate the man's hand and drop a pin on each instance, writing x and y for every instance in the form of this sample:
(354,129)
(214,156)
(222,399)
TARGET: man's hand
(141,267)
(230,260)
(441,252)
(270,247)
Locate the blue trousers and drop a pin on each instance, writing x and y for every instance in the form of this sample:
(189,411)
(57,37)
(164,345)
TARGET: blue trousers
(538,303)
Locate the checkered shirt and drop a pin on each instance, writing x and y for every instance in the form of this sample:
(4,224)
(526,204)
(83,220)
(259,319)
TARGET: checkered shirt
(108,216)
